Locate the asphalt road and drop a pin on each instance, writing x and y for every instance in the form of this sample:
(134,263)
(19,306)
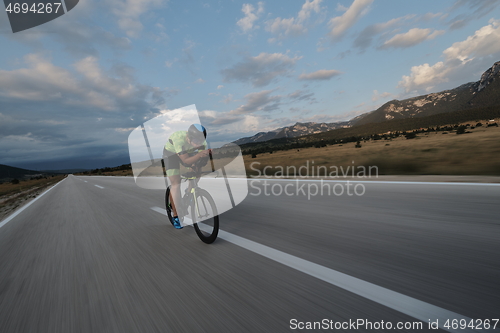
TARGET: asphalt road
(91,255)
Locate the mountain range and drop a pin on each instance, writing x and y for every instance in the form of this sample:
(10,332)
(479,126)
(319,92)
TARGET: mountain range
(299,129)
(482,93)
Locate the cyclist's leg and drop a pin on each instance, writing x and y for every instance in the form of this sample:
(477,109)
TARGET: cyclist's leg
(175,192)
(173,163)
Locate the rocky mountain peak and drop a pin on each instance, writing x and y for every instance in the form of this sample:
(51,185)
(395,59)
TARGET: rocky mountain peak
(489,76)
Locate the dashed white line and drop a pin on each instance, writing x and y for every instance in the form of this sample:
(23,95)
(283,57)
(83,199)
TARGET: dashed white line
(98,186)
(410,306)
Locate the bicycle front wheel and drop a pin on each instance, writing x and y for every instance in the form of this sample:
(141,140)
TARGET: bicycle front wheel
(205,218)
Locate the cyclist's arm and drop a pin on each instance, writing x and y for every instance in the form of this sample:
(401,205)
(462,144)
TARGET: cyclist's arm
(187,160)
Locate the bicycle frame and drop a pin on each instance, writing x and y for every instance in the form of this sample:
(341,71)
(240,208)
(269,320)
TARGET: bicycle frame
(208,202)
(193,182)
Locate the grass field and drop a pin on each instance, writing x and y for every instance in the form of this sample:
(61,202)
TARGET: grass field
(434,153)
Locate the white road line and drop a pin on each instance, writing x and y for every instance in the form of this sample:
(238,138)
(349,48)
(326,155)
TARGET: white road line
(98,186)
(19,211)
(410,306)
(358,180)
(371,181)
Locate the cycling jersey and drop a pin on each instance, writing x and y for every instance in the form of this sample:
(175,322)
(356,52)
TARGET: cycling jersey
(176,145)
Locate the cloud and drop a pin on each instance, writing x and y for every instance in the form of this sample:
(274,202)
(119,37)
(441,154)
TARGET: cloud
(411,38)
(340,24)
(285,27)
(462,60)
(246,23)
(425,76)
(483,43)
(77,35)
(227,99)
(376,96)
(259,101)
(129,12)
(476,10)
(430,16)
(200,80)
(82,111)
(187,58)
(341,8)
(301,95)
(293,26)
(322,74)
(260,70)
(225,127)
(80,39)
(365,38)
(220,86)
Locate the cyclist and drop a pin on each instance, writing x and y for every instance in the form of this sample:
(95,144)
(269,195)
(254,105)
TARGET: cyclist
(188,148)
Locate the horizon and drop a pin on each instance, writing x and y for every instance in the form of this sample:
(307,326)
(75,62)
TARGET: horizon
(73,89)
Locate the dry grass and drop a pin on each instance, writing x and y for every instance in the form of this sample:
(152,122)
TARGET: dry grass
(118,173)
(7,189)
(435,153)
(476,153)
(13,196)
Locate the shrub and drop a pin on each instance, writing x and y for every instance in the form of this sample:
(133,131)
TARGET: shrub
(461,129)
(479,125)
(15,181)
(411,135)
(358,145)
(254,155)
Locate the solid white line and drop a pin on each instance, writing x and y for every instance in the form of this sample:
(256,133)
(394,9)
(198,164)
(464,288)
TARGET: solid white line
(98,186)
(410,306)
(372,181)
(19,211)
(359,180)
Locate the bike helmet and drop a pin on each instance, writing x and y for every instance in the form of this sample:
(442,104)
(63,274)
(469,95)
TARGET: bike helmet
(197,133)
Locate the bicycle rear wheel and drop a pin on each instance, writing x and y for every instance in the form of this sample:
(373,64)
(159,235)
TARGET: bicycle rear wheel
(205,217)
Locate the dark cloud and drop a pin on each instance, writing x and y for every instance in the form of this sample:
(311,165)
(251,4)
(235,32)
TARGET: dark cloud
(365,38)
(301,95)
(48,113)
(78,35)
(260,70)
(476,9)
(260,101)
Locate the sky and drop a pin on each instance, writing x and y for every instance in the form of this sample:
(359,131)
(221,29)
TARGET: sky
(73,89)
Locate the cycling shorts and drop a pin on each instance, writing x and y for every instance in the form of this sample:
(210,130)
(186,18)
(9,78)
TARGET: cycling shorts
(172,163)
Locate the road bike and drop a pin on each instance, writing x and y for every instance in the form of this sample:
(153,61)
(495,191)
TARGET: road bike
(202,207)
